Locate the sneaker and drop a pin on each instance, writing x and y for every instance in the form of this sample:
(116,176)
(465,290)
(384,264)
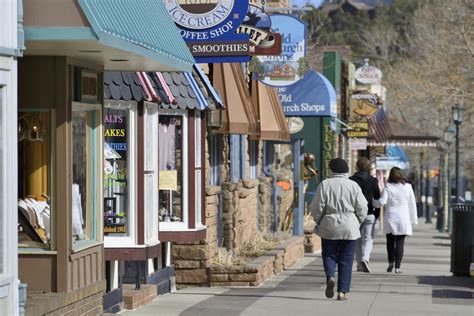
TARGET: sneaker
(365,266)
(341,296)
(398,271)
(330,287)
(390,267)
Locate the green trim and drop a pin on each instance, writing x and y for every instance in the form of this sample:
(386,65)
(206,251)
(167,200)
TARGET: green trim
(59,33)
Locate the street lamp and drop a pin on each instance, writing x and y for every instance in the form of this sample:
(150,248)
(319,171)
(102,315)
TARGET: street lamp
(458,111)
(448,138)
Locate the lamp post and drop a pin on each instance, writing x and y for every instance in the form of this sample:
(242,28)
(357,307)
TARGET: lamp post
(458,111)
(448,138)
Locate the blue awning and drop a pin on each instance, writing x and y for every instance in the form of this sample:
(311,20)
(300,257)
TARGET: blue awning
(396,152)
(139,26)
(313,95)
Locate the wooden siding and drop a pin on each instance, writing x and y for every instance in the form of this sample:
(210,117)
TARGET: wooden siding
(86,267)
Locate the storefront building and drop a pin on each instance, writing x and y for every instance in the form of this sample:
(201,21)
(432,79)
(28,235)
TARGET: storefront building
(154,174)
(10,49)
(62,124)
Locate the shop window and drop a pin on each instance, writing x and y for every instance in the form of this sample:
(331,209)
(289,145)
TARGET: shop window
(34,179)
(85,153)
(173,167)
(253,157)
(119,170)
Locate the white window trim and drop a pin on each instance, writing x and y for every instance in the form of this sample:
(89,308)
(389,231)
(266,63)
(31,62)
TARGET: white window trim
(180,226)
(131,239)
(151,168)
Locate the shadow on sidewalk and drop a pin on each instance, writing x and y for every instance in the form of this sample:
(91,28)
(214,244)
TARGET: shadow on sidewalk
(450,289)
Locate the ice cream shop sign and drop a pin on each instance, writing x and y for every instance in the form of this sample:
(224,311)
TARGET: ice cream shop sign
(209,28)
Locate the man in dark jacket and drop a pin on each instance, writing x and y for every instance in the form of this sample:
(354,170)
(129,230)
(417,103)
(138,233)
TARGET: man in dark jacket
(370,189)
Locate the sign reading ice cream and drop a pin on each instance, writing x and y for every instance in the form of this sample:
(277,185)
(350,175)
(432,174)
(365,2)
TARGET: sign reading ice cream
(209,28)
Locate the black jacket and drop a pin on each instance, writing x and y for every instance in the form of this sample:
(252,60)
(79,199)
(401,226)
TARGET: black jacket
(370,189)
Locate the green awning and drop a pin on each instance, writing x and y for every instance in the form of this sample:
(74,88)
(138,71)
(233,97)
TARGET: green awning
(141,27)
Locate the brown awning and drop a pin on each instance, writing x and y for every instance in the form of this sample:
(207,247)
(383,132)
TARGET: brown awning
(273,124)
(239,115)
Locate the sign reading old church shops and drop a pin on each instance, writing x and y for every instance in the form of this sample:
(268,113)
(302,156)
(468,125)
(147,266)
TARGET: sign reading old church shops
(209,27)
(291,65)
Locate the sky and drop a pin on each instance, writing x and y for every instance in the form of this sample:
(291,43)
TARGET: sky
(316,3)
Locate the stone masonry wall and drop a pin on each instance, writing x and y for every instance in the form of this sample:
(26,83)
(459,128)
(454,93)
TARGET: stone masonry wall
(239,212)
(265,210)
(191,259)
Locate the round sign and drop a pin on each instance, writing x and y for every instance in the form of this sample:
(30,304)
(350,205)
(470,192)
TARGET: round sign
(199,14)
(368,75)
(295,124)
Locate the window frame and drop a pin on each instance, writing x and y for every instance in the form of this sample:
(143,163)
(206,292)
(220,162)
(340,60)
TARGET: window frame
(97,172)
(131,239)
(184,224)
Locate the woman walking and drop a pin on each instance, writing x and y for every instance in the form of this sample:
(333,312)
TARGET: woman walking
(338,208)
(399,215)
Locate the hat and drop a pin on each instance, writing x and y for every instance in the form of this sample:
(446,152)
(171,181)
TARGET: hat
(338,165)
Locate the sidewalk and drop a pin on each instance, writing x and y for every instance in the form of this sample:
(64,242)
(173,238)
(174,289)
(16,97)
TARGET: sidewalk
(426,287)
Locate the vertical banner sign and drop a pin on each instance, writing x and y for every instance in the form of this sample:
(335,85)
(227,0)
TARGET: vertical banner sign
(328,147)
(291,65)
(209,27)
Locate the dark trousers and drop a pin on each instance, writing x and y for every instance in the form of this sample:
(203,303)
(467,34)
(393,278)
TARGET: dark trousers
(339,253)
(395,245)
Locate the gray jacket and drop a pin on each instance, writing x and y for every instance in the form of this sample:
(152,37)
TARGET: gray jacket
(338,208)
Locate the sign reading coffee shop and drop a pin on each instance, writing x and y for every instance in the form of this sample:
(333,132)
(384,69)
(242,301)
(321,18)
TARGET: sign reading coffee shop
(291,65)
(209,28)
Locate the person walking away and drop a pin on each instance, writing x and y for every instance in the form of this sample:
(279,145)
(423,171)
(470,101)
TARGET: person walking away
(338,208)
(370,189)
(399,215)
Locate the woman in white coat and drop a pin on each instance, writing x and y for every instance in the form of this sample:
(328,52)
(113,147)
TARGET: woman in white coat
(399,215)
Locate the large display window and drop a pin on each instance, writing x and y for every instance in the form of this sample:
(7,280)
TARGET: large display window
(86,173)
(35,229)
(119,123)
(173,168)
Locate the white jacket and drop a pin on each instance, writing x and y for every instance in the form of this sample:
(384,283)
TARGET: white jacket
(338,208)
(400,209)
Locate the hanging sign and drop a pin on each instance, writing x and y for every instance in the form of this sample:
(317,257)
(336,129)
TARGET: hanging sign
(362,105)
(358,143)
(295,124)
(257,24)
(209,27)
(358,130)
(291,65)
(313,95)
(368,74)
(168,180)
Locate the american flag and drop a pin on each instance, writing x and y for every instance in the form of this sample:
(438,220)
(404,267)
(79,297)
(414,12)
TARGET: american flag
(379,126)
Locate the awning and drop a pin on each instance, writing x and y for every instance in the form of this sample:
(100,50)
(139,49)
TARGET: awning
(172,90)
(119,34)
(273,124)
(313,95)
(239,116)
(403,135)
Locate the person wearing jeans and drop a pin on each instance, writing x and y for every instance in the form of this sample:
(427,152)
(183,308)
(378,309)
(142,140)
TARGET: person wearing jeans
(371,191)
(399,216)
(338,208)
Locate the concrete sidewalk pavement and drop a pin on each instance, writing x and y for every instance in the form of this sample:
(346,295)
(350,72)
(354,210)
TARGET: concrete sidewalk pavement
(425,287)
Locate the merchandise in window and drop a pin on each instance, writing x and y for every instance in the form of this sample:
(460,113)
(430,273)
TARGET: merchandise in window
(116,122)
(171,168)
(84,186)
(34,211)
